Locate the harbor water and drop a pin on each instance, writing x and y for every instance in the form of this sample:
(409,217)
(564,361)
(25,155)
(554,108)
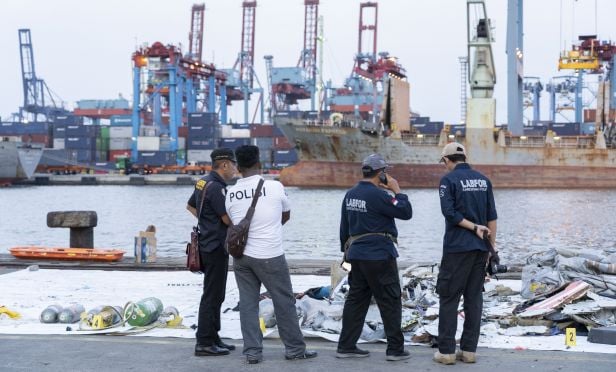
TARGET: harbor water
(529,220)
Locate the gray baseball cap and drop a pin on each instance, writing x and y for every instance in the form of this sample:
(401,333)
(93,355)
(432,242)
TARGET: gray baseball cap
(374,162)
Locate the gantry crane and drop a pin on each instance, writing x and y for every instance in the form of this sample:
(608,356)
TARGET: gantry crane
(592,56)
(39,100)
(287,85)
(363,92)
(241,78)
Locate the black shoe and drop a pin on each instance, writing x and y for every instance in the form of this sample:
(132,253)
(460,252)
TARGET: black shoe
(253,361)
(212,350)
(229,347)
(307,354)
(398,355)
(352,353)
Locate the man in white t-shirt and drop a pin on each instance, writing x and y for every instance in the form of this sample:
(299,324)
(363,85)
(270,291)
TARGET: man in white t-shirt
(263,261)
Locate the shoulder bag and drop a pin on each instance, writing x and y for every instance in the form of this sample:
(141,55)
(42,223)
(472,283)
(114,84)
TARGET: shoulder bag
(237,235)
(193,258)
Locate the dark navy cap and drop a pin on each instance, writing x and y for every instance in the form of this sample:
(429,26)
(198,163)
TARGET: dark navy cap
(374,162)
(223,153)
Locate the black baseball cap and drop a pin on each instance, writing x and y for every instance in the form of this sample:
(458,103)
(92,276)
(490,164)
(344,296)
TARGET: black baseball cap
(223,153)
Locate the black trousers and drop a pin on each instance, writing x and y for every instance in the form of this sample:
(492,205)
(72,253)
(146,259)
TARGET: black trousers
(460,274)
(379,279)
(215,266)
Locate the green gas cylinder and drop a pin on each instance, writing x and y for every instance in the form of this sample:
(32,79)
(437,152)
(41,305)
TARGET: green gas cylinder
(143,312)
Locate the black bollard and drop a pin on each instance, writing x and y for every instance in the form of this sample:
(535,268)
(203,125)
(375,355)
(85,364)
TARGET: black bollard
(81,224)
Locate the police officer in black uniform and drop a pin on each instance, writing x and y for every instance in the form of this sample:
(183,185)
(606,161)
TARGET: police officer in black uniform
(467,203)
(368,235)
(213,222)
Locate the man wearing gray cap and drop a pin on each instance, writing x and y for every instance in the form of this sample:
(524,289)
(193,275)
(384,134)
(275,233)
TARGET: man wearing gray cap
(368,236)
(467,203)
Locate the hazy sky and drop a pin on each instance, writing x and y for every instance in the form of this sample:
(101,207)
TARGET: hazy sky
(82,48)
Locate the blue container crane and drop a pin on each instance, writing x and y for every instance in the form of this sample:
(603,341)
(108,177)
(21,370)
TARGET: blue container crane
(39,100)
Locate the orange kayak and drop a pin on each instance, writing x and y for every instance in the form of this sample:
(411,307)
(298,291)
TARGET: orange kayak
(67,253)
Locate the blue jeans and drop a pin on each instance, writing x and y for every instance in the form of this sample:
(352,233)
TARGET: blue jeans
(273,273)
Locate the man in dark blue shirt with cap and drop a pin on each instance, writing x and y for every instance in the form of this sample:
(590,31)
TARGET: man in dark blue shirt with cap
(467,202)
(368,236)
(213,222)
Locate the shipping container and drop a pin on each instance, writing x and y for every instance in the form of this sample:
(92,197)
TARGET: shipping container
(120,144)
(102,144)
(457,129)
(420,120)
(535,130)
(240,126)
(284,156)
(148,143)
(82,130)
(240,133)
(148,131)
(165,143)
(119,154)
(42,139)
(101,155)
(104,165)
(199,156)
(81,143)
(17,128)
(203,131)
(120,132)
(201,144)
(290,114)
(81,156)
(429,128)
(263,143)
(156,158)
(265,156)
(104,131)
(282,143)
(202,118)
(121,120)
(225,131)
(234,143)
(183,131)
(68,120)
(58,143)
(566,129)
(261,130)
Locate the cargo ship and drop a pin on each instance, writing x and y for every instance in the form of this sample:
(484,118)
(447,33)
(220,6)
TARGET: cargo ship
(18,161)
(331,155)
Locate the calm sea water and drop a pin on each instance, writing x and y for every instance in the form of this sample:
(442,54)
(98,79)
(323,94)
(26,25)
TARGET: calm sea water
(529,220)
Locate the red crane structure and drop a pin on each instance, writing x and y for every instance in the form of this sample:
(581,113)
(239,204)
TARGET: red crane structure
(195,37)
(360,95)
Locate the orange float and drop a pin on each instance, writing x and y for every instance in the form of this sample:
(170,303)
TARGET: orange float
(75,254)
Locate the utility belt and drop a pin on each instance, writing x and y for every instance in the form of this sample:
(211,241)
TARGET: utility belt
(354,238)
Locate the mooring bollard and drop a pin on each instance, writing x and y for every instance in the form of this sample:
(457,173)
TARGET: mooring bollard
(81,223)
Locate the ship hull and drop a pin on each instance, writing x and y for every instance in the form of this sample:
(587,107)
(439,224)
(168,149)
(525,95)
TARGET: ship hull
(17,162)
(331,157)
(346,174)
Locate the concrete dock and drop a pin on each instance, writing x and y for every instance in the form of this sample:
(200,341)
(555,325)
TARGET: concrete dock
(116,353)
(110,179)
(296,266)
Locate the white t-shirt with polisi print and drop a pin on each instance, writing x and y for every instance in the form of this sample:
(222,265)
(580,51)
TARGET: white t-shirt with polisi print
(265,234)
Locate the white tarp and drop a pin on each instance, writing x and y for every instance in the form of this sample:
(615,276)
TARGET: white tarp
(29,292)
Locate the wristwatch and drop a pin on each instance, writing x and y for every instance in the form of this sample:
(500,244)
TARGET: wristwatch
(475,228)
